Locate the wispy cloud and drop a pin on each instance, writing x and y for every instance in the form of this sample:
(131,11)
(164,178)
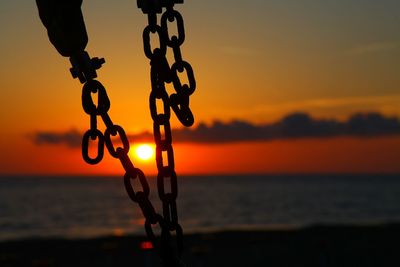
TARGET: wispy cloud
(294,126)
(375,47)
(71,138)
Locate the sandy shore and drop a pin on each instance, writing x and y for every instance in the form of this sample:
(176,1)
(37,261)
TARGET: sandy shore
(313,246)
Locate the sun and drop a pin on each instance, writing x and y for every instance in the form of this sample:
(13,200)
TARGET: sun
(144,152)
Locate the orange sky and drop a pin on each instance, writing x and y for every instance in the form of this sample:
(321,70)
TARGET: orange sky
(335,155)
(253,61)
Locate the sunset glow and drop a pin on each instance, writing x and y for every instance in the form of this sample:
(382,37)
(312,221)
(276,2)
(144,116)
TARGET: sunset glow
(144,152)
(285,97)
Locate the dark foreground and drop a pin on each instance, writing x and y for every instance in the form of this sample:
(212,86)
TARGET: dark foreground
(314,246)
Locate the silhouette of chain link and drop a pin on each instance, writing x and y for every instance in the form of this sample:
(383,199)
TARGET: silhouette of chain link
(119,149)
(161,73)
(67,32)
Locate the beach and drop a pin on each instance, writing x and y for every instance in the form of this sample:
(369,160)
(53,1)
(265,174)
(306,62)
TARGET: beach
(374,245)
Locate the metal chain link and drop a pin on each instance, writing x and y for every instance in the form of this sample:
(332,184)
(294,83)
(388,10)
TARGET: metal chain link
(161,73)
(119,149)
(67,32)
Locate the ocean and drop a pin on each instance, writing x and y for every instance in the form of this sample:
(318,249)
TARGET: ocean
(85,207)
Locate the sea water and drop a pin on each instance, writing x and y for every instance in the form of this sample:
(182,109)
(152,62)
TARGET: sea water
(84,207)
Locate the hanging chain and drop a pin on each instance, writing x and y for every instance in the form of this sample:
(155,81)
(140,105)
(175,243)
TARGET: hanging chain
(160,74)
(119,149)
(66,30)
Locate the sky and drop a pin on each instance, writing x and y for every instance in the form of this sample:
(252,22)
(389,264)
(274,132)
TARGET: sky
(283,87)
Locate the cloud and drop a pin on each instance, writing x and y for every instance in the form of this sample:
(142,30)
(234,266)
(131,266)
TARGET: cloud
(71,138)
(294,126)
(375,47)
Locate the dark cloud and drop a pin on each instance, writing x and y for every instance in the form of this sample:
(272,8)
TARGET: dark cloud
(294,126)
(71,138)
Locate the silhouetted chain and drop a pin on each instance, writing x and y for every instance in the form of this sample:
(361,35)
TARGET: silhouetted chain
(161,73)
(118,149)
(67,32)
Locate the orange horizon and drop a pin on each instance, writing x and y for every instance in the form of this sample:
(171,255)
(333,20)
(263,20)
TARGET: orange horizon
(340,155)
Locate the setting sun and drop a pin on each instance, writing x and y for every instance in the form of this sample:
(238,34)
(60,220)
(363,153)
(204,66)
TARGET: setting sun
(144,152)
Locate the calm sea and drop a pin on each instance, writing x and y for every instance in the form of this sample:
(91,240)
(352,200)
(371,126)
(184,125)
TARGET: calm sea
(76,207)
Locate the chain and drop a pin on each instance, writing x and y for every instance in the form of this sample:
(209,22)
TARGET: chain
(160,74)
(119,149)
(62,29)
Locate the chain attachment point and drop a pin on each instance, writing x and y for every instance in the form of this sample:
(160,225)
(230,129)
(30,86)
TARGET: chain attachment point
(83,67)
